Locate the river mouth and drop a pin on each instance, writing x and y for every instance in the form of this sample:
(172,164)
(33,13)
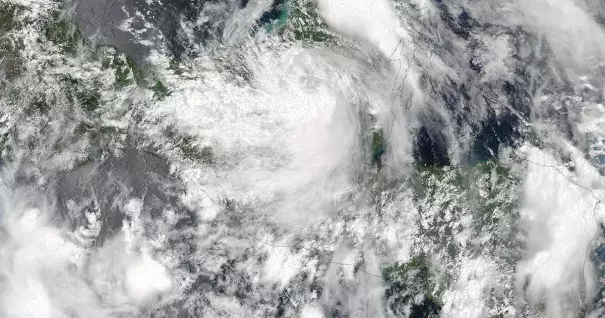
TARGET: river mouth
(329,158)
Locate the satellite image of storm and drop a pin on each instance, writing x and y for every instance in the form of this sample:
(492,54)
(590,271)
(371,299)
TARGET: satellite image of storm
(302,158)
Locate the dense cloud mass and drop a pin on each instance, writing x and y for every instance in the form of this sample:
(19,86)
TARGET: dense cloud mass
(302,158)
